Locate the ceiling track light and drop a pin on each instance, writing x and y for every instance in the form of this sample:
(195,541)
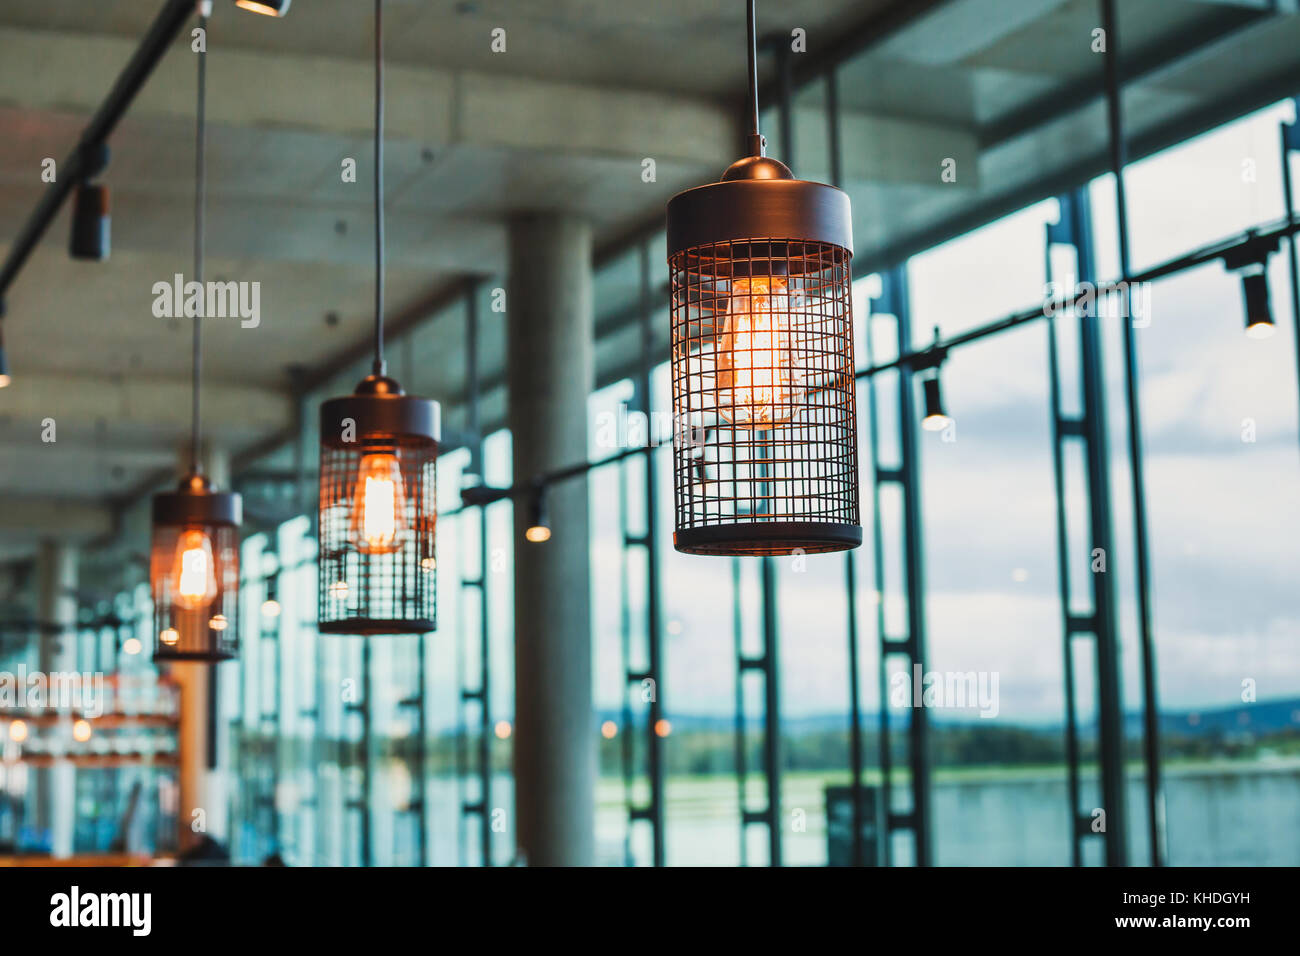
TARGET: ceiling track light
(270,8)
(928,363)
(539,524)
(91,224)
(936,419)
(91,238)
(378,510)
(194,557)
(765,460)
(1259,312)
(1250,260)
(5,378)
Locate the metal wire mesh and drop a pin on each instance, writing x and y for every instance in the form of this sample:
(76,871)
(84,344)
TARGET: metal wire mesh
(194,570)
(763,393)
(378,515)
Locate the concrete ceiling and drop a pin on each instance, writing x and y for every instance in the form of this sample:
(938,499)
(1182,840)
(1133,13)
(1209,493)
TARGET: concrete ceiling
(563,119)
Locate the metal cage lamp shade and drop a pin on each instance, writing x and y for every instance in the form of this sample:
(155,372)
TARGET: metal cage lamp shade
(378,511)
(194,552)
(765,458)
(194,571)
(762,365)
(378,478)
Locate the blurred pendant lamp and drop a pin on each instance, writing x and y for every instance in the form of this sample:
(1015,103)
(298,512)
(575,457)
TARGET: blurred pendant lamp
(765,457)
(194,560)
(378,454)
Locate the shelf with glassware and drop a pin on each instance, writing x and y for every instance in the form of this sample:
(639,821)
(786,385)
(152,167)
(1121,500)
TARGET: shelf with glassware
(123,719)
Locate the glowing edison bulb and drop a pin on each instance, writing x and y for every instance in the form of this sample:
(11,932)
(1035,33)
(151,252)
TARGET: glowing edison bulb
(194,571)
(378,505)
(756,373)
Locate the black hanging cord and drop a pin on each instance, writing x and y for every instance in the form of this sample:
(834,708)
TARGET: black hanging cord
(380,365)
(200,197)
(756,143)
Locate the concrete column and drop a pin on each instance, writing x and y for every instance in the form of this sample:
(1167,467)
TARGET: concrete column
(201,787)
(56,567)
(550,365)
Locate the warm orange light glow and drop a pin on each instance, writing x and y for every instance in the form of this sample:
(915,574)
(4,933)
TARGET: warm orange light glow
(503,729)
(18,731)
(255,7)
(609,730)
(218,622)
(339,589)
(81,731)
(538,533)
(194,571)
(168,636)
(428,563)
(935,423)
(4,381)
(131,646)
(662,727)
(270,608)
(755,366)
(378,505)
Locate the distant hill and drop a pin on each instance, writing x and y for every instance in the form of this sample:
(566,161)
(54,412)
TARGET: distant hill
(1261,717)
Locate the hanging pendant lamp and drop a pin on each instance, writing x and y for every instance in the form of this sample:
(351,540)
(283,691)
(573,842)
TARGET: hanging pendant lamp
(194,558)
(765,452)
(378,457)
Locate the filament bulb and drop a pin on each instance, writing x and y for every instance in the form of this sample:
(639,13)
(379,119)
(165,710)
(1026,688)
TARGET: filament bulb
(194,571)
(379,505)
(757,378)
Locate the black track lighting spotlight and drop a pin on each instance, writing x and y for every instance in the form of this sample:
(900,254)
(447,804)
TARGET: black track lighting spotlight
(1254,292)
(91,238)
(928,364)
(270,8)
(91,224)
(1250,260)
(936,419)
(539,525)
(4,359)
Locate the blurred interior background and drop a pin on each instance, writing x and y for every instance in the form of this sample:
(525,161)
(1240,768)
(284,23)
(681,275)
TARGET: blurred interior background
(774,682)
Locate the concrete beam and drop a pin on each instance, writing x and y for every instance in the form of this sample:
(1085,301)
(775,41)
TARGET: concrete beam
(58,519)
(885,149)
(57,72)
(78,402)
(44,70)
